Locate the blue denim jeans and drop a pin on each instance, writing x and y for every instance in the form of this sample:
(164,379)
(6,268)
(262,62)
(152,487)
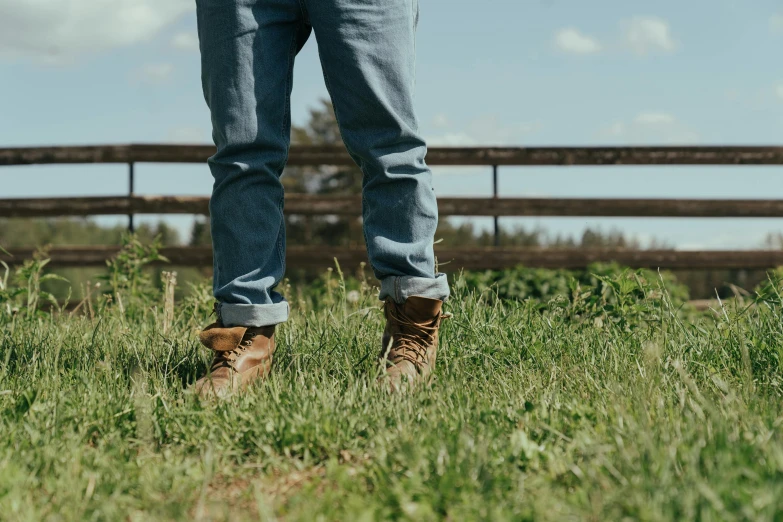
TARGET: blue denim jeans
(367,50)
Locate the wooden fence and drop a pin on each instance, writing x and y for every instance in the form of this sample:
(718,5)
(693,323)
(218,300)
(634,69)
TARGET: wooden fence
(474,258)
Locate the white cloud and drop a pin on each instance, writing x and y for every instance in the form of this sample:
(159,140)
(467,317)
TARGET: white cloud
(452,139)
(615,129)
(188,135)
(185,41)
(486,130)
(62,29)
(570,40)
(650,128)
(732,94)
(654,118)
(155,72)
(776,23)
(648,34)
(440,121)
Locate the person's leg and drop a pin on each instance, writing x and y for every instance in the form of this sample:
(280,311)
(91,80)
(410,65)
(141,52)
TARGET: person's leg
(367,50)
(247,56)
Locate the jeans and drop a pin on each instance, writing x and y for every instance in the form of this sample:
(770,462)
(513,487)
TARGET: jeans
(367,51)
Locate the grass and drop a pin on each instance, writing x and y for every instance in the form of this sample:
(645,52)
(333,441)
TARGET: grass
(588,407)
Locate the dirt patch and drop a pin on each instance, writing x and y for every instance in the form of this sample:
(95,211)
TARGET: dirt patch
(259,494)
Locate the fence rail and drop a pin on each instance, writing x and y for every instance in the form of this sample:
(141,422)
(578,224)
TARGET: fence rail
(308,205)
(453,156)
(472,258)
(490,258)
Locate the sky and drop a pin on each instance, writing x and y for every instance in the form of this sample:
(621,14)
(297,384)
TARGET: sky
(496,72)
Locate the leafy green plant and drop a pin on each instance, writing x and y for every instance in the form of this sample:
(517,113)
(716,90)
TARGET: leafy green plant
(602,294)
(542,284)
(520,283)
(22,293)
(130,286)
(770,291)
(624,299)
(30,276)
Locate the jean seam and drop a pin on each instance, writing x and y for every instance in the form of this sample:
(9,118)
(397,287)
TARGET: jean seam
(286,133)
(416,13)
(364,221)
(328,84)
(334,105)
(280,236)
(303,9)
(288,81)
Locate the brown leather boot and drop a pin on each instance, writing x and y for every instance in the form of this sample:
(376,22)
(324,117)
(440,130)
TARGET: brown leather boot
(242,355)
(410,340)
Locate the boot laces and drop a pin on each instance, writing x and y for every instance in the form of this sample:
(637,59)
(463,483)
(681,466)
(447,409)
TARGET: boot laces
(227,359)
(414,338)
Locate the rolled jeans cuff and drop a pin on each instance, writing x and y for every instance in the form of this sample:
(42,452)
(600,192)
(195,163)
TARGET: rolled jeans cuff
(400,288)
(253,315)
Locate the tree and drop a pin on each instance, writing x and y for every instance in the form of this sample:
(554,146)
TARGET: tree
(21,232)
(322,129)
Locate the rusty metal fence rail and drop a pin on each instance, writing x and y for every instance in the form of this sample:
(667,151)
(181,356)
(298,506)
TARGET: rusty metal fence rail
(496,207)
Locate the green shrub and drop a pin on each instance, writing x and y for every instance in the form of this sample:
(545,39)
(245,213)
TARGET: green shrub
(542,284)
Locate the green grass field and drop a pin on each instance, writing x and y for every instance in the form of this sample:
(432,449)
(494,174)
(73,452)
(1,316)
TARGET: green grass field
(607,403)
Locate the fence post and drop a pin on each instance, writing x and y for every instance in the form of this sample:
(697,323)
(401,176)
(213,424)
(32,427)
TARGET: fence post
(131,183)
(495,196)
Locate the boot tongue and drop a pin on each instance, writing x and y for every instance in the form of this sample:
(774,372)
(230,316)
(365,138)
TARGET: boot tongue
(264,331)
(222,339)
(422,308)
